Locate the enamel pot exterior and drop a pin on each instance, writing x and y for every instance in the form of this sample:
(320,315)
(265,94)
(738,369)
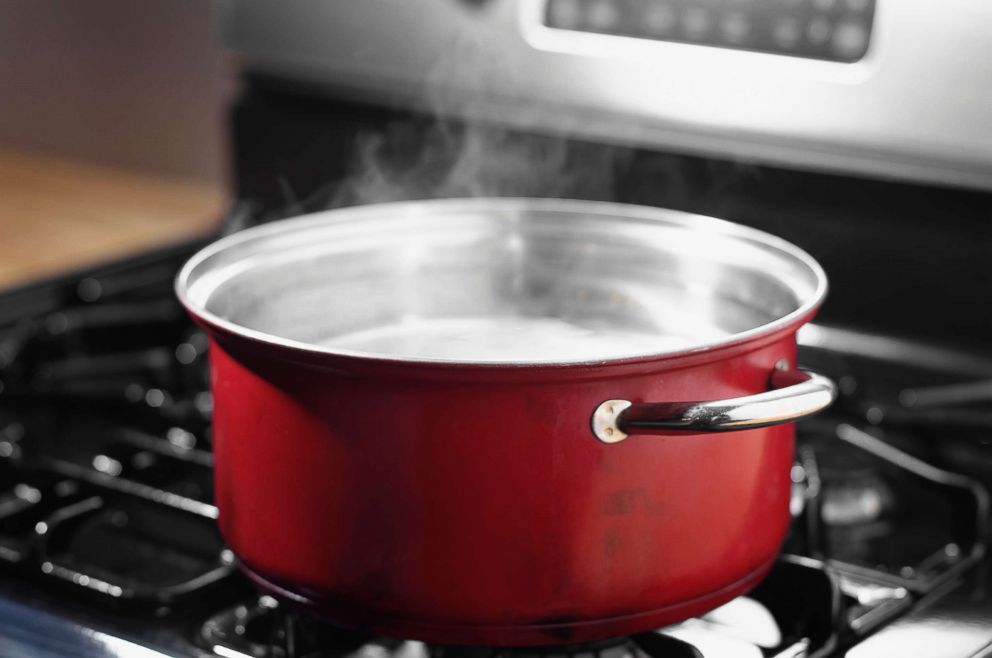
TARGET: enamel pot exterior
(624,466)
(473,504)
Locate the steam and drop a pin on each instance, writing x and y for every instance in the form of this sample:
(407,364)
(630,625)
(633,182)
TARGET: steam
(415,160)
(442,157)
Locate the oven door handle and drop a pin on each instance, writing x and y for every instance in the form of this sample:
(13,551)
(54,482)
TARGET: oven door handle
(794,395)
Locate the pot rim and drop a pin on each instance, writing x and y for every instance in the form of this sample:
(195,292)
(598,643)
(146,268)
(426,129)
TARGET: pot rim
(800,314)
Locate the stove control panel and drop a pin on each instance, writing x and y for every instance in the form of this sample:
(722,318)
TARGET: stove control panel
(898,89)
(838,30)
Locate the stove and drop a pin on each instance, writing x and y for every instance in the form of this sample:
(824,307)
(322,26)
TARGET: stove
(108,538)
(108,544)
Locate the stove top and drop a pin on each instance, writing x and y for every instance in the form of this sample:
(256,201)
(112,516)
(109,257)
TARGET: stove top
(108,543)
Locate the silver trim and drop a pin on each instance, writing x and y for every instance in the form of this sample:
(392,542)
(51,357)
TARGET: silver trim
(34,629)
(188,276)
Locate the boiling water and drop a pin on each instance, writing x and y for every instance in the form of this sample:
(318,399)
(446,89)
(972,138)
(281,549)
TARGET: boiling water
(503,339)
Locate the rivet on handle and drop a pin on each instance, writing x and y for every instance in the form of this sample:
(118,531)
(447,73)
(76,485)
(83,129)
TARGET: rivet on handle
(604,421)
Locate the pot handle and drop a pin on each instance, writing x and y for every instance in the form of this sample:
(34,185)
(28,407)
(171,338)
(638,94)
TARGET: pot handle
(794,394)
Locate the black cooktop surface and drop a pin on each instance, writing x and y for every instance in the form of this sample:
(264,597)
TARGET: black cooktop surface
(108,542)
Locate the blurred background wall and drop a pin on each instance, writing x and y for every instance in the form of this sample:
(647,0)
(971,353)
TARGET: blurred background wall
(130,84)
(112,129)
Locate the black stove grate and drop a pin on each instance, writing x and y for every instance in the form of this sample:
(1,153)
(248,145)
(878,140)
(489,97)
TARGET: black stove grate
(107,515)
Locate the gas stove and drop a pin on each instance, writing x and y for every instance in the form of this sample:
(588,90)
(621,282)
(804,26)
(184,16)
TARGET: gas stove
(804,118)
(108,543)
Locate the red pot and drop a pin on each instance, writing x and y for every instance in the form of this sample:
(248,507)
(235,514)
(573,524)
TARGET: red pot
(430,479)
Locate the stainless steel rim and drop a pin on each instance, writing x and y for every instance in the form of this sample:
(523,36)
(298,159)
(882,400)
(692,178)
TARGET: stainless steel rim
(607,209)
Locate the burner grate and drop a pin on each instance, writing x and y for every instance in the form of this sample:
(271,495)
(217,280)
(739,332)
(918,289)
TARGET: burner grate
(126,547)
(795,609)
(107,511)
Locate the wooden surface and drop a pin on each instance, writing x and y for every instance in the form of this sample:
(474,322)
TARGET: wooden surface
(58,214)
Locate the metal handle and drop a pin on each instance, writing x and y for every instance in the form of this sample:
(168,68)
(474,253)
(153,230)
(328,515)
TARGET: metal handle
(795,394)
